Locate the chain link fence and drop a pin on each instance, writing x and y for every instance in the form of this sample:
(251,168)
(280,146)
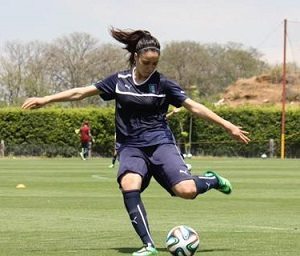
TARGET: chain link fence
(254,149)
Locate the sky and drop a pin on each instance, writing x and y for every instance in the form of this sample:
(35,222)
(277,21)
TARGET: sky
(253,23)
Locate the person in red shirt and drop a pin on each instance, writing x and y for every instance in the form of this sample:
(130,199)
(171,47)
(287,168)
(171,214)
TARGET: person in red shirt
(85,138)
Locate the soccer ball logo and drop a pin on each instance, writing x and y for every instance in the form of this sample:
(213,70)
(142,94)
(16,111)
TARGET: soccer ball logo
(182,241)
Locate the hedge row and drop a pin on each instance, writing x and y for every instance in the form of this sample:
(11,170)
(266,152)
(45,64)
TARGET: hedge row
(263,124)
(51,131)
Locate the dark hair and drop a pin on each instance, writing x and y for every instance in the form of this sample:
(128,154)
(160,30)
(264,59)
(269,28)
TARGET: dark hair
(136,41)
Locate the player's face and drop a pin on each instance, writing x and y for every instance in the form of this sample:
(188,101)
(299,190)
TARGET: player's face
(146,63)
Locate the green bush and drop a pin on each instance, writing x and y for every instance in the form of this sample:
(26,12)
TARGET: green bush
(50,132)
(263,124)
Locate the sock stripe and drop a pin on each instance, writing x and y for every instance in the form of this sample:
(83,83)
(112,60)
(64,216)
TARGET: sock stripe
(144,222)
(206,178)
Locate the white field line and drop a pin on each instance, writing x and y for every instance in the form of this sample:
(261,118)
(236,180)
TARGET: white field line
(269,228)
(98,177)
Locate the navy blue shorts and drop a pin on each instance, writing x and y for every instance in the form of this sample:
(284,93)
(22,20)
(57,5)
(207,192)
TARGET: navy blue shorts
(163,162)
(85,144)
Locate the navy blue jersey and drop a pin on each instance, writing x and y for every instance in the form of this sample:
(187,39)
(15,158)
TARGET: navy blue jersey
(141,108)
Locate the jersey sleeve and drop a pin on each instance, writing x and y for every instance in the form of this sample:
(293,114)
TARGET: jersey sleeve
(175,94)
(107,87)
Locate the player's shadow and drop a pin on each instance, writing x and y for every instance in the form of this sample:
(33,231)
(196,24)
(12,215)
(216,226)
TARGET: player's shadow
(128,250)
(216,250)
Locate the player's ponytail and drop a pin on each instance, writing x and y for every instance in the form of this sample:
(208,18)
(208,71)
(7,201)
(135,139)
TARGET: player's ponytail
(135,41)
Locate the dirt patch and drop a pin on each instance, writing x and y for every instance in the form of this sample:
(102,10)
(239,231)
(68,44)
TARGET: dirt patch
(261,90)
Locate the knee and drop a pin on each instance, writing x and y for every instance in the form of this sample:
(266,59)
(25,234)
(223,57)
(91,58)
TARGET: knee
(185,189)
(131,181)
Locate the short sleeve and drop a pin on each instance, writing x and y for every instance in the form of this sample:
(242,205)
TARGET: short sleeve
(175,94)
(107,87)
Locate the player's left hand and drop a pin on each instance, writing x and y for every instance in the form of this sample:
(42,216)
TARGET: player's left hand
(176,110)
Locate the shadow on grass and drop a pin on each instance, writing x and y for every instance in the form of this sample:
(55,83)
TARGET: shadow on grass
(216,250)
(129,250)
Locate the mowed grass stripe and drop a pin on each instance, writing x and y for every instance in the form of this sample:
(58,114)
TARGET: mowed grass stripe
(74,207)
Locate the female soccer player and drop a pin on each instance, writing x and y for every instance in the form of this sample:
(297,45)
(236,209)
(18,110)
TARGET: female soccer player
(147,146)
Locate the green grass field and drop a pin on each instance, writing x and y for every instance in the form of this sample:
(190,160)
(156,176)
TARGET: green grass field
(74,207)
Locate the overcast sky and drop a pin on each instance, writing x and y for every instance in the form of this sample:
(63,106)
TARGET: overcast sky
(253,23)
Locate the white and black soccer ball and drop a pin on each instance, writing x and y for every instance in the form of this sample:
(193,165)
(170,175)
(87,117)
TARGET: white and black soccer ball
(182,241)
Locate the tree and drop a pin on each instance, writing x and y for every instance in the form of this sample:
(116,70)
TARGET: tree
(22,71)
(68,61)
(35,82)
(211,67)
(79,59)
(12,66)
(184,62)
(233,61)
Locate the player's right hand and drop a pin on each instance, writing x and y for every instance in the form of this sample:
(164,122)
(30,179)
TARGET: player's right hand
(35,102)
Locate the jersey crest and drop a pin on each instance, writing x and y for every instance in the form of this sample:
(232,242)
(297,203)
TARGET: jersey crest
(152,88)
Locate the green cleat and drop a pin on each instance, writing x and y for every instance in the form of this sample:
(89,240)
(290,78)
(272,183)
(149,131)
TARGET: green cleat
(224,184)
(146,250)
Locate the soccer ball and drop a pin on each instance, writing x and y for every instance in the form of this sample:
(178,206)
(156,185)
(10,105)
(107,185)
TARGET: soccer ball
(264,156)
(189,155)
(182,241)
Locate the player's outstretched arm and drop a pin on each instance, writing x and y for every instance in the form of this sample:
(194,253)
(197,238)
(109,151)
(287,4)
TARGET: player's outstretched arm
(68,95)
(201,111)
